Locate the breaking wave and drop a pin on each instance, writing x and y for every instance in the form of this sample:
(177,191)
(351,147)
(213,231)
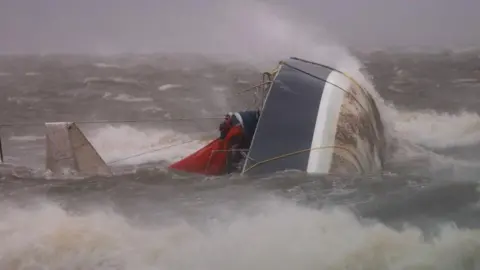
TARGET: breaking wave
(166,87)
(128,145)
(28,138)
(438,130)
(271,233)
(129,98)
(118,80)
(276,236)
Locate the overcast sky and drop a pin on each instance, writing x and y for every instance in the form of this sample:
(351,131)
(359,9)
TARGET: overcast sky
(110,26)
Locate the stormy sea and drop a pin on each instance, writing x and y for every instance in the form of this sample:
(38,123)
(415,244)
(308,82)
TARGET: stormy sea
(144,111)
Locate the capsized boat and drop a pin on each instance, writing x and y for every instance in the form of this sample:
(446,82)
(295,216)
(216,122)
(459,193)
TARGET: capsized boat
(314,119)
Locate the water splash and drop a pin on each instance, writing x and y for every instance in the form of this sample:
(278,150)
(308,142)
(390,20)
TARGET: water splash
(438,130)
(277,236)
(117,143)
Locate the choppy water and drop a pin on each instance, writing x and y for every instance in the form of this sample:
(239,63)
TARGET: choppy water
(420,214)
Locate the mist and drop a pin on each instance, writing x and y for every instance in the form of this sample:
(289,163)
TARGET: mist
(244,28)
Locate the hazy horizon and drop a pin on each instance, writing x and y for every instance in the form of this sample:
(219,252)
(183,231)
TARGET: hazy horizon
(143,26)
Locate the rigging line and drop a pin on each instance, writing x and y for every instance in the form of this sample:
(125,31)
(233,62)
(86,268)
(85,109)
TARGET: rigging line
(333,69)
(365,92)
(150,151)
(254,87)
(374,107)
(303,151)
(335,85)
(112,121)
(323,80)
(347,92)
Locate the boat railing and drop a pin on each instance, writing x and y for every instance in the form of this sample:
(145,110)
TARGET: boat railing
(261,89)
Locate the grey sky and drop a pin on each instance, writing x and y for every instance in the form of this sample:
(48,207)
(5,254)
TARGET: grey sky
(110,26)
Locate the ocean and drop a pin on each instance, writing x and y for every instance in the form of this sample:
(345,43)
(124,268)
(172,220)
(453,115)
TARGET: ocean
(145,111)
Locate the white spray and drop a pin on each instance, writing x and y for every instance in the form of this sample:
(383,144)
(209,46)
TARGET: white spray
(277,236)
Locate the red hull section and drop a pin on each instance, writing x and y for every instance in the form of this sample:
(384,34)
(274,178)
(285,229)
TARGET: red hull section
(211,159)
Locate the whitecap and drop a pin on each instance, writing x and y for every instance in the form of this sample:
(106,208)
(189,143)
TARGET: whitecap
(166,87)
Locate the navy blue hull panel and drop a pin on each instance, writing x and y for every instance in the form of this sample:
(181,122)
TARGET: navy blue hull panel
(288,118)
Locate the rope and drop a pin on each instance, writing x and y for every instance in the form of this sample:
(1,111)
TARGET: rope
(302,151)
(112,121)
(150,151)
(254,87)
(162,148)
(323,80)
(215,118)
(321,147)
(365,92)
(333,69)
